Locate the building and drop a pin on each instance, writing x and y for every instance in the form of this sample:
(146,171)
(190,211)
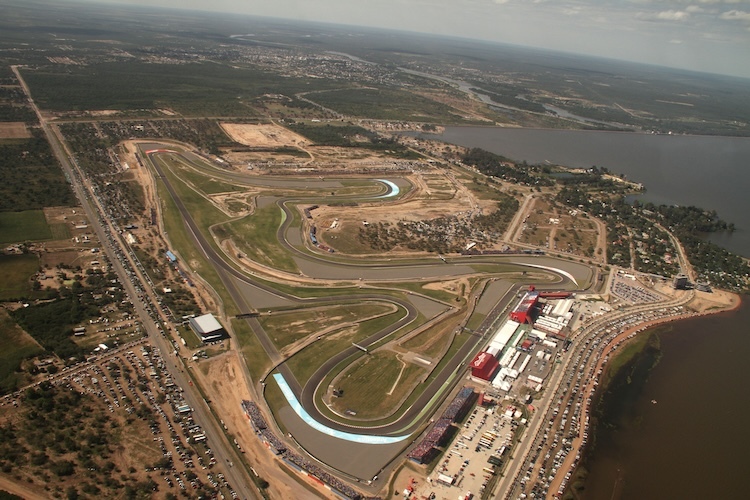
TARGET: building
(208,328)
(680,282)
(484,366)
(523,312)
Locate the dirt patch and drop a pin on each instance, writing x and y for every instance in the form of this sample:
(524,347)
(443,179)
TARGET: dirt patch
(224,377)
(262,135)
(103,112)
(714,301)
(452,286)
(14,130)
(23,491)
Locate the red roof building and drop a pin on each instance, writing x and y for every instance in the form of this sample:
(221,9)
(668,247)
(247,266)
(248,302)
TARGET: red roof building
(484,366)
(522,312)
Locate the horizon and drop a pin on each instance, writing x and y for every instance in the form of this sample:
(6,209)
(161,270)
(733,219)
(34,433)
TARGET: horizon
(704,36)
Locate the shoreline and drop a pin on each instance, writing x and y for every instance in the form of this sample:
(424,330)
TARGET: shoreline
(570,464)
(633,132)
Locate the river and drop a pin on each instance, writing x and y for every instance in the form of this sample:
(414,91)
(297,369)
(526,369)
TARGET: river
(712,172)
(692,442)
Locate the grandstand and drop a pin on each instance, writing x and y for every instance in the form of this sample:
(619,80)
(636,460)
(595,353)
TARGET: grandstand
(298,462)
(442,431)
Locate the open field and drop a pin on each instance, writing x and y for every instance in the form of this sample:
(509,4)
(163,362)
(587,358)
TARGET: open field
(559,228)
(431,342)
(201,180)
(14,130)
(255,236)
(17,346)
(250,348)
(205,89)
(386,104)
(179,238)
(436,205)
(306,362)
(15,275)
(287,327)
(17,227)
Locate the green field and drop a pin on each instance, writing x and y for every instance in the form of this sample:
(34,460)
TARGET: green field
(376,385)
(386,104)
(193,89)
(17,346)
(182,241)
(430,342)
(191,339)
(255,357)
(204,182)
(255,235)
(60,231)
(15,274)
(307,361)
(17,227)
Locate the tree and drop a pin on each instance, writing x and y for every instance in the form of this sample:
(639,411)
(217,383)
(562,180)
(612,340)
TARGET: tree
(63,468)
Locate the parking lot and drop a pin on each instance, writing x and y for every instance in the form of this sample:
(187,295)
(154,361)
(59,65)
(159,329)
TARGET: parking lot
(479,449)
(134,381)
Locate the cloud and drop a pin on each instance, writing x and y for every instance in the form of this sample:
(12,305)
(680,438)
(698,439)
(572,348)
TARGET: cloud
(735,15)
(572,11)
(687,2)
(665,15)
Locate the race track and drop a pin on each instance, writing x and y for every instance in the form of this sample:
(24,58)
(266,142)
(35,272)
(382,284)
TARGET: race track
(250,293)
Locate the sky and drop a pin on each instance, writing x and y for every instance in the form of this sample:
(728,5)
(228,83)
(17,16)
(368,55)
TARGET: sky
(703,35)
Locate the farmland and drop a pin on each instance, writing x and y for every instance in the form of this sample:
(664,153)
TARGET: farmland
(29,225)
(15,275)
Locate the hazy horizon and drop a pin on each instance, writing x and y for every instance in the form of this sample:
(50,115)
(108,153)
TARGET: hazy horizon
(711,36)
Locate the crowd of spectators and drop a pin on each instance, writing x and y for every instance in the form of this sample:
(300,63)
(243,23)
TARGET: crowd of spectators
(261,428)
(252,412)
(460,405)
(442,431)
(316,471)
(427,449)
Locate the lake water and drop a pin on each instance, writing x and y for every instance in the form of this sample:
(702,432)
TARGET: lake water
(692,443)
(707,171)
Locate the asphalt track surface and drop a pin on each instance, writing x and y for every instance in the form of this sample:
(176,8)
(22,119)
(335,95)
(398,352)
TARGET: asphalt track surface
(235,281)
